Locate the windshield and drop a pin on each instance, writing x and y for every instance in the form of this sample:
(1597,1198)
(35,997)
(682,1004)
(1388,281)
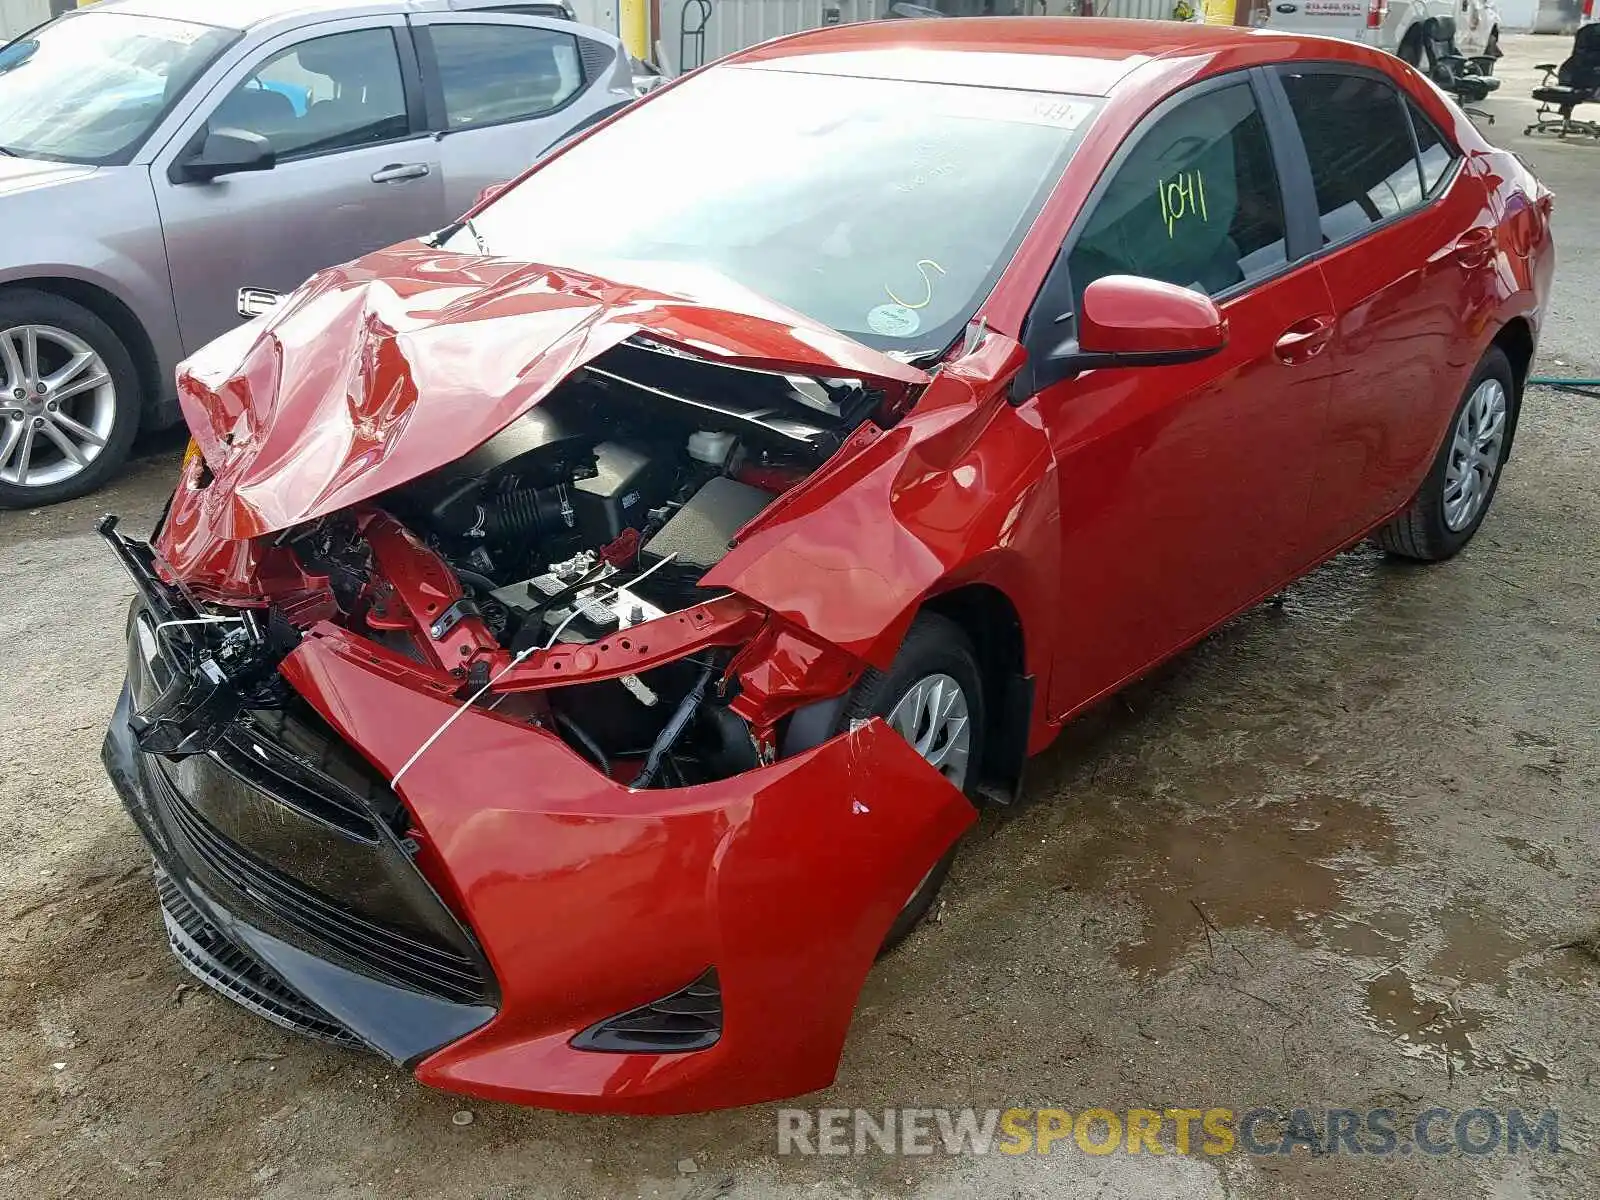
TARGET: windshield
(90,86)
(882,208)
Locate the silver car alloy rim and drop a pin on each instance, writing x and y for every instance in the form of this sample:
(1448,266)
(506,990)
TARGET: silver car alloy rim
(933,716)
(1474,454)
(57,405)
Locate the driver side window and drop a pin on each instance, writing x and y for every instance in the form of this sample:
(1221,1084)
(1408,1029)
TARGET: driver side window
(330,93)
(1196,202)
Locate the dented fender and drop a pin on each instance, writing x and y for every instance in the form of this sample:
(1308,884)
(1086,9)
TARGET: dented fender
(961,489)
(590,898)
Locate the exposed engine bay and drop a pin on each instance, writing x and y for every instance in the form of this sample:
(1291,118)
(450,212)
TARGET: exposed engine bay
(595,513)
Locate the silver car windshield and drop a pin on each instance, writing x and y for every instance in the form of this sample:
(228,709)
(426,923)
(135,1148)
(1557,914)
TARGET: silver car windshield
(89,87)
(882,208)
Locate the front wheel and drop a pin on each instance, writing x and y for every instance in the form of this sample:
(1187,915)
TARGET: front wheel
(69,404)
(932,696)
(1456,495)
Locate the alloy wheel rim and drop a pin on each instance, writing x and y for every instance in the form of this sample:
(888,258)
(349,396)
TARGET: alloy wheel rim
(935,718)
(1475,450)
(57,405)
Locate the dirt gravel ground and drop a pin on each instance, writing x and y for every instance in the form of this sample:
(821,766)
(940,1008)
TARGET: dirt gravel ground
(1327,859)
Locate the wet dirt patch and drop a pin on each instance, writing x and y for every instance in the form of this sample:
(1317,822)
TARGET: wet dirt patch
(1478,946)
(1283,864)
(1422,1026)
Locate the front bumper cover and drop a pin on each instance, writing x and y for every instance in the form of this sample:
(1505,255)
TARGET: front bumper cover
(588,899)
(591,899)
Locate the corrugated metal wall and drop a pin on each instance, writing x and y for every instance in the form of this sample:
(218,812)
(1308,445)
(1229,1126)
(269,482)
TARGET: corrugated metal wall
(19,16)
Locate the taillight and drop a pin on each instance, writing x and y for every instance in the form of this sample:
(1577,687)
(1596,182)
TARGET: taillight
(1375,13)
(1588,9)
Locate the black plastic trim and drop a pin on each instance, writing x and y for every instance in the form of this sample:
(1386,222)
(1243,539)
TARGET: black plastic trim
(1006,755)
(688,1019)
(248,956)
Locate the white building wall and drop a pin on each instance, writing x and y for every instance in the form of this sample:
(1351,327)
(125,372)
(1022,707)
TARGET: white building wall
(19,16)
(1518,14)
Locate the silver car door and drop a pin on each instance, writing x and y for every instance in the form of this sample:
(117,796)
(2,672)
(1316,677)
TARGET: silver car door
(341,103)
(503,88)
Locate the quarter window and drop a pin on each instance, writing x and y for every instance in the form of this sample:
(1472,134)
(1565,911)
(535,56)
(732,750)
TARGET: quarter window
(1196,202)
(1358,139)
(1433,152)
(330,93)
(495,73)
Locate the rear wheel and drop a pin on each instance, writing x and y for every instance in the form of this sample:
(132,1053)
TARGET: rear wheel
(69,400)
(933,697)
(1456,495)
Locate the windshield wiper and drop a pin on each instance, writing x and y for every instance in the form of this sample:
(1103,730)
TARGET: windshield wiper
(9,153)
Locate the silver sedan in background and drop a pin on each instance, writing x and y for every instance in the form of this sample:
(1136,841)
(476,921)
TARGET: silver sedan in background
(158,156)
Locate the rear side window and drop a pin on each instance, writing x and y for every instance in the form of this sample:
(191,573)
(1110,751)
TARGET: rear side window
(1357,136)
(1433,152)
(1195,203)
(495,73)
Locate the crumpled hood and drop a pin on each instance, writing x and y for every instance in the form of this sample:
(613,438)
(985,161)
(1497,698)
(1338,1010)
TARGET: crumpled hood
(382,370)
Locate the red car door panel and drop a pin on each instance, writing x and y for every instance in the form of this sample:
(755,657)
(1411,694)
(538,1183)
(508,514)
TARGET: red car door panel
(1408,283)
(1184,488)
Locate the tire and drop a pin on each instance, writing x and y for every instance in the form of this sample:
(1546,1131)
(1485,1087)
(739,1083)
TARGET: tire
(1410,50)
(1438,524)
(107,412)
(934,646)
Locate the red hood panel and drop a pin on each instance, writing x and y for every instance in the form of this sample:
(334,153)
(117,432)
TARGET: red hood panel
(387,368)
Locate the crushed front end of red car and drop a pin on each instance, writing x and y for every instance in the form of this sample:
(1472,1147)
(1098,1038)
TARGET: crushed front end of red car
(439,743)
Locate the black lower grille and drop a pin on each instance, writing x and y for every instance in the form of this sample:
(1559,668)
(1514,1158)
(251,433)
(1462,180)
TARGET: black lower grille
(689,1019)
(221,965)
(374,949)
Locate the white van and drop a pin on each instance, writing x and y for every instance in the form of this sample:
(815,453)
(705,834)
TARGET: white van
(1393,26)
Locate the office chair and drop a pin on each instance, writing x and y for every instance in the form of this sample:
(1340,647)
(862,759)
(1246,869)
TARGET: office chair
(1575,82)
(1467,79)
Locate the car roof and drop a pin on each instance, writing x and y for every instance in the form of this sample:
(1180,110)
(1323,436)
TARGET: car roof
(1082,55)
(241,14)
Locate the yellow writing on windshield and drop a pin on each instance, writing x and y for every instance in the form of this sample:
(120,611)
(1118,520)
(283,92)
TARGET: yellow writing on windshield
(1184,195)
(923,265)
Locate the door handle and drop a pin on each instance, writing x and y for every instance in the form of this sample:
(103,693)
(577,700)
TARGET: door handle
(398,171)
(1473,247)
(1304,340)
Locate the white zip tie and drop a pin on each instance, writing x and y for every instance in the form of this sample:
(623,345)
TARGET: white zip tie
(473,699)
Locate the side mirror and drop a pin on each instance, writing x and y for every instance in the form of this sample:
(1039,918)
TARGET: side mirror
(225,152)
(1127,321)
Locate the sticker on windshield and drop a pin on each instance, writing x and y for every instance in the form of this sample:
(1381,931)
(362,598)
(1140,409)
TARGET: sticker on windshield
(1026,108)
(181,32)
(894,320)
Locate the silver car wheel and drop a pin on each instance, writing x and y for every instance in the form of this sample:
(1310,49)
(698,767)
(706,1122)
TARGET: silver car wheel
(1475,449)
(934,717)
(57,405)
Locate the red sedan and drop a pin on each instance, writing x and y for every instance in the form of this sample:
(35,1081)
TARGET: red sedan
(579,638)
